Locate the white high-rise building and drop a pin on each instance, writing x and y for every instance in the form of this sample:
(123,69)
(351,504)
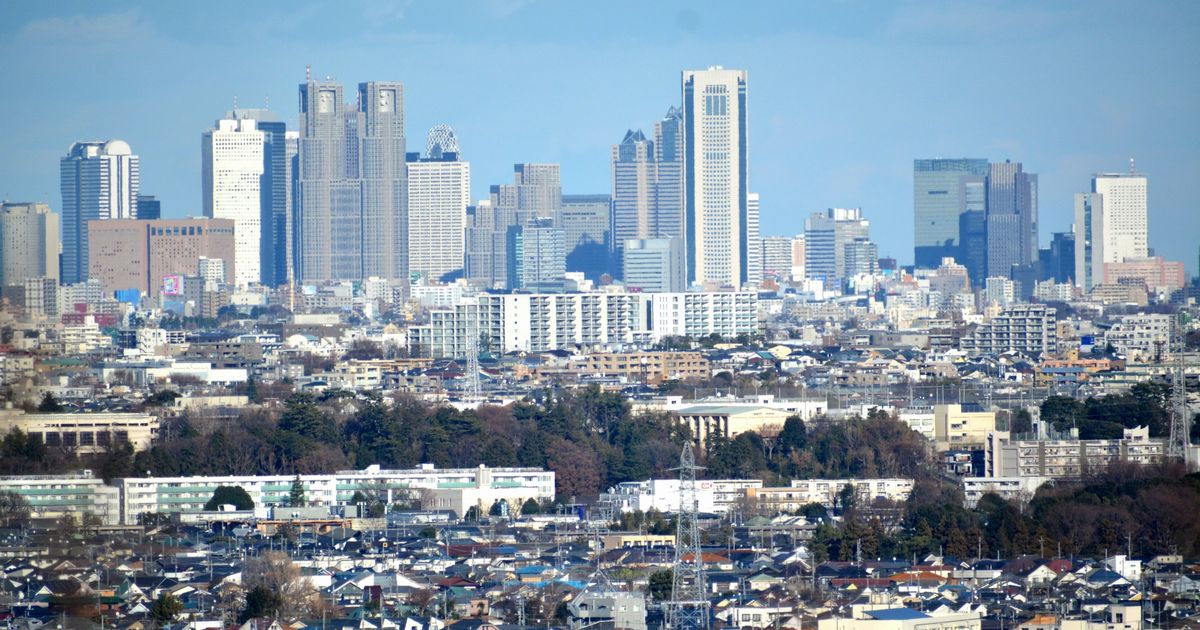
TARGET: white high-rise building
(439,191)
(232,170)
(754,244)
(1125,231)
(99,180)
(716,197)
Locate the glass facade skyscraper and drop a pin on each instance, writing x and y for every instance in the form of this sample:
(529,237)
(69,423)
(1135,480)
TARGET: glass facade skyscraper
(941,193)
(99,180)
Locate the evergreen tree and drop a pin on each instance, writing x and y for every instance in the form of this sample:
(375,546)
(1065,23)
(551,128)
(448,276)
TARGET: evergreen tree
(296,496)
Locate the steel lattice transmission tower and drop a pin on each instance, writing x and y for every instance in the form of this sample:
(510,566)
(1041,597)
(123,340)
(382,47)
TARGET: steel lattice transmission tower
(472,370)
(688,607)
(1179,444)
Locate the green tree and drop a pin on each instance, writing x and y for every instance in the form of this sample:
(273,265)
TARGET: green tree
(660,583)
(497,508)
(50,404)
(230,495)
(261,601)
(165,609)
(296,495)
(14,509)
(531,507)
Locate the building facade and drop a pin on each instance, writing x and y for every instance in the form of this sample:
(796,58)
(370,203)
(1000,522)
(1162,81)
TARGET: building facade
(29,242)
(99,181)
(654,265)
(135,254)
(439,191)
(1028,328)
(233,162)
(716,193)
(943,189)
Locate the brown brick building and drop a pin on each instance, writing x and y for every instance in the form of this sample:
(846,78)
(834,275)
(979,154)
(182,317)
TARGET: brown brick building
(131,253)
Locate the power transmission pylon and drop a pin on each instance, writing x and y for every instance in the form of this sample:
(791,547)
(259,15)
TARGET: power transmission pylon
(473,387)
(688,607)
(1179,444)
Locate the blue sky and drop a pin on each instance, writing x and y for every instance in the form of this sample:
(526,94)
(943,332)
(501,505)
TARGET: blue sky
(843,94)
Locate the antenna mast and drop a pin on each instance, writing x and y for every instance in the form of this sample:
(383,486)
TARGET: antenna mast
(688,607)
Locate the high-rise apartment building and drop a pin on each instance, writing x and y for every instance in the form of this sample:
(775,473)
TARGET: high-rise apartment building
(131,254)
(943,189)
(585,221)
(1125,215)
(351,212)
(776,257)
(654,265)
(439,191)
(233,164)
(29,242)
(715,174)
(754,251)
(99,180)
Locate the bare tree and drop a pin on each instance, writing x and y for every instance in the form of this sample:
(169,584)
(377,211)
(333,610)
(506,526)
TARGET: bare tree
(274,570)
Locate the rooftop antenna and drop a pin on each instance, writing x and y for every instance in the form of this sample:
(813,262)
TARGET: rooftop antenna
(234,102)
(307,73)
(1132,169)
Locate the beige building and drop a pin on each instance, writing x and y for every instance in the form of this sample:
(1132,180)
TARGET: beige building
(29,242)
(86,433)
(129,253)
(730,420)
(786,500)
(648,367)
(955,429)
(1052,455)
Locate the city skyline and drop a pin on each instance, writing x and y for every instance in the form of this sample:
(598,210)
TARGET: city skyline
(810,152)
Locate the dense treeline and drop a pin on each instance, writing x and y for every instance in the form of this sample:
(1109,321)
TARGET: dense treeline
(1105,417)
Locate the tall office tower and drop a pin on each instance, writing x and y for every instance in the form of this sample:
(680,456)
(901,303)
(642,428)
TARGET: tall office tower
(668,166)
(233,163)
(826,236)
(1124,227)
(148,208)
(860,256)
(439,191)
(291,175)
(655,265)
(777,256)
(539,191)
(29,242)
(798,257)
(940,195)
(276,210)
(537,256)
(488,223)
(1089,240)
(384,186)
(715,175)
(585,222)
(351,221)
(99,180)
(754,251)
(634,184)
(973,238)
(1011,218)
(1058,262)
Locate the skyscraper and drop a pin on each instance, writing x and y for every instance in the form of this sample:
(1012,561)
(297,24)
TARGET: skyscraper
(148,208)
(439,191)
(715,175)
(585,222)
(1011,218)
(233,164)
(668,166)
(1089,240)
(1125,220)
(277,210)
(29,243)
(941,193)
(826,238)
(537,256)
(99,180)
(634,188)
(654,265)
(754,245)
(352,220)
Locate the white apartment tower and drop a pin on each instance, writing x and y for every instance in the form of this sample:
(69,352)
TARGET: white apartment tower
(439,191)
(716,194)
(232,169)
